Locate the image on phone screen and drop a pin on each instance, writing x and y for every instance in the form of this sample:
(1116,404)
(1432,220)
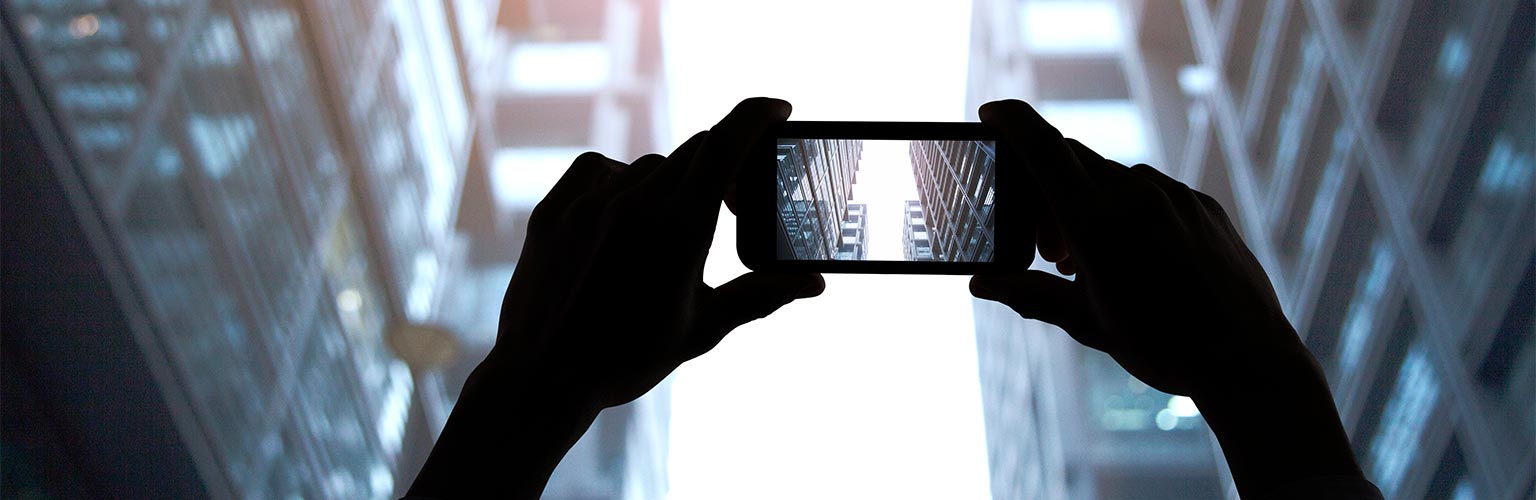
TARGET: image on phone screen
(885,200)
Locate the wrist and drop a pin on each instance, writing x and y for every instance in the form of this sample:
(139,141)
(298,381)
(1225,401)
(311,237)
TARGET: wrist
(1275,419)
(508,431)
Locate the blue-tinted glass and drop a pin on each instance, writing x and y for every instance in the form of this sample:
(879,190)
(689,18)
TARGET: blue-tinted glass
(1360,321)
(1408,412)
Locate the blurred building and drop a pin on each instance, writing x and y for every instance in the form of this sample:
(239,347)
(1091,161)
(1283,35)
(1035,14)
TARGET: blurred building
(954,185)
(1063,421)
(561,78)
(855,239)
(815,178)
(269,189)
(915,245)
(1378,159)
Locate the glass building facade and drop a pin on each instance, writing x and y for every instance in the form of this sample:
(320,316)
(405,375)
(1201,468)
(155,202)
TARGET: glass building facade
(855,238)
(273,187)
(915,243)
(954,185)
(288,184)
(815,181)
(1377,158)
(275,180)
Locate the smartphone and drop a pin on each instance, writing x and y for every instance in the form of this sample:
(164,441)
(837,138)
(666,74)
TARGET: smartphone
(880,197)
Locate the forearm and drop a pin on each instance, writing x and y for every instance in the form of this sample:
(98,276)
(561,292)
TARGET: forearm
(1278,424)
(504,438)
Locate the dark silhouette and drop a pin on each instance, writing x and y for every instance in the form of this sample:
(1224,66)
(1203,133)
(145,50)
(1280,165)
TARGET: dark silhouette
(597,313)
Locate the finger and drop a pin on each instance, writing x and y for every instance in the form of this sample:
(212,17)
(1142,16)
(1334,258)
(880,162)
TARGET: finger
(638,170)
(750,297)
(1044,152)
(666,174)
(730,198)
(1050,242)
(1040,296)
(587,172)
(1179,194)
(725,148)
(1218,215)
(1099,168)
(1066,266)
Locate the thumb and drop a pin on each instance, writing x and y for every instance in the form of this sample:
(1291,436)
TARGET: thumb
(753,296)
(1042,296)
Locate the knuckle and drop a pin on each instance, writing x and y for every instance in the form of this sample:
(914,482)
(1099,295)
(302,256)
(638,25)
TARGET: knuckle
(591,157)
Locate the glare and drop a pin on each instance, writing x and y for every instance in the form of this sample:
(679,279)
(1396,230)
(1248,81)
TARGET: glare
(1454,56)
(1166,420)
(349,300)
(1182,407)
(1114,129)
(418,299)
(1071,26)
(560,67)
(521,176)
(1197,80)
(84,25)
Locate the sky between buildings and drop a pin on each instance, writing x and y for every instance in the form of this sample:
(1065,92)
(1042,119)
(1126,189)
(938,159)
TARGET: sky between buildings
(871,390)
(885,183)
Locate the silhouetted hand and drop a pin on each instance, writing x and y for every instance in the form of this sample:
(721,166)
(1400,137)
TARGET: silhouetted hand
(1164,285)
(607,299)
(1163,282)
(609,296)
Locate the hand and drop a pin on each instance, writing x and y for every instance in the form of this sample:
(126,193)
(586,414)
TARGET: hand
(609,297)
(1165,286)
(1163,282)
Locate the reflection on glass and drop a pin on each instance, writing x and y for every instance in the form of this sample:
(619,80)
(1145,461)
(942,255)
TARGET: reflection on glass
(1359,322)
(1407,414)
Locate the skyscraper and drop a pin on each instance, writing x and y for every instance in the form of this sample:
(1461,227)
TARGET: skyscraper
(269,187)
(916,245)
(1377,157)
(855,238)
(954,184)
(1063,421)
(560,78)
(815,179)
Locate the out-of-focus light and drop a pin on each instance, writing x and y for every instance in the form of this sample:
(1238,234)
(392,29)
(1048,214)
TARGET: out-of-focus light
(521,176)
(30,25)
(1124,419)
(1196,80)
(1072,27)
(1454,55)
(560,67)
(349,300)
(418,297)
(84,25)
(1506,171)
(381,480)
(1183,407)
(1166,420)
(1113,128)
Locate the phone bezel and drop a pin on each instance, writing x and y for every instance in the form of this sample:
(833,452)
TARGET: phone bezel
(756,199)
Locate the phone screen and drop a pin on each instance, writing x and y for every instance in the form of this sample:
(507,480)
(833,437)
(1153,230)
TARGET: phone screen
(885,200)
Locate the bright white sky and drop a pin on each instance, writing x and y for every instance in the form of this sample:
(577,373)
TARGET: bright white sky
(885,183)
(871,390)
